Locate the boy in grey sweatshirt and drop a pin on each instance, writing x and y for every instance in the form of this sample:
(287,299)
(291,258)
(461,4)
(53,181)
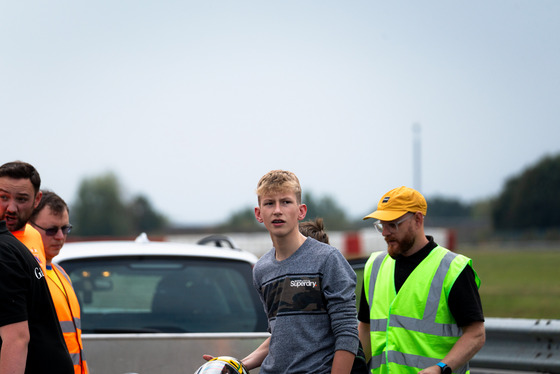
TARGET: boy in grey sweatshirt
(307,289)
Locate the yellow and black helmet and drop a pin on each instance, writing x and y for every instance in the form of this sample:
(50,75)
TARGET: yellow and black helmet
(222,365)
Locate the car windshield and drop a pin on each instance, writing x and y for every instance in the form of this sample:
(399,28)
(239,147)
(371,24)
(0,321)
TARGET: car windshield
(165,294)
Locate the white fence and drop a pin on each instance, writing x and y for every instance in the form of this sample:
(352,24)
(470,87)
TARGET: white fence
(351,244)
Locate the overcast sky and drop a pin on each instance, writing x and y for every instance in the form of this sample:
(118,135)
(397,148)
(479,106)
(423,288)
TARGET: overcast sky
(191,102)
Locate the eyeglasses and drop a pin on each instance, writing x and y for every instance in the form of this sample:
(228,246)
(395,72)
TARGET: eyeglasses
(391,226)
(52,231)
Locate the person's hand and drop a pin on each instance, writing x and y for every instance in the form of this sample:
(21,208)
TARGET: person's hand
(431,370)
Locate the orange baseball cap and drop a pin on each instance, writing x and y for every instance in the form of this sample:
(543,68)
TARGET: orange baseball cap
(398,202)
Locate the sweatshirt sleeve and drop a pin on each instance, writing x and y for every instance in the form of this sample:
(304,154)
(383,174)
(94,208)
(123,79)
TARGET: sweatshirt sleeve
(339,285)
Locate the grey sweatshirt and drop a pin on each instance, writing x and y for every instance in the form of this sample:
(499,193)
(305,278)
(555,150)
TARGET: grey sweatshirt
(309,299)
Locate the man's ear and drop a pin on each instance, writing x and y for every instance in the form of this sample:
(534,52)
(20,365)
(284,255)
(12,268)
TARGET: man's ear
(302,212)
(38,198)
(419,218)
(258,215)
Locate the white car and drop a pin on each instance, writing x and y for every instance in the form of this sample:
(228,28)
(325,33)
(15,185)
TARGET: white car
(163,287)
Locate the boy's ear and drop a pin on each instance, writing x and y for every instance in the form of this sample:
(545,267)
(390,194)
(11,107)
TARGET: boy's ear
(258,215)
(302,212)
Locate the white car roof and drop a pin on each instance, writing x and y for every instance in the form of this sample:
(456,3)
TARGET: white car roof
(93,249)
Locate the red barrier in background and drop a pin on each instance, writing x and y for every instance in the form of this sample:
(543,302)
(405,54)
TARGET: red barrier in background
(352,244)
(451,240)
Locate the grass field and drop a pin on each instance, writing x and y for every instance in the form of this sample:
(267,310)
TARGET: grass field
(518,282)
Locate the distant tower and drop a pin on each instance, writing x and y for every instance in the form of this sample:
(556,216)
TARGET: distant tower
(416,157)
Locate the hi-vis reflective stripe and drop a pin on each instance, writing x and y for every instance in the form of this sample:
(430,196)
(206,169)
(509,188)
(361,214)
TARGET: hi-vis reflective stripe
(437,286)
(418,325)
(409,360)
(427,324)
(374,271)
(426,327)
(63,272)
(376,361)
(75,358)
(68,326)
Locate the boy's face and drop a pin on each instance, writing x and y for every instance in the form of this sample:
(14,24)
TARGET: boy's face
(280,213)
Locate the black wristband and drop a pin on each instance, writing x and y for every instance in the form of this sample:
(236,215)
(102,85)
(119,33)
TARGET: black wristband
(444,368)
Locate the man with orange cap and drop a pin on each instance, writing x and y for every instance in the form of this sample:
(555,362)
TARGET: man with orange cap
(420,309)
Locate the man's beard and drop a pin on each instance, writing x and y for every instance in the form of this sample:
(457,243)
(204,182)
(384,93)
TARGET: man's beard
(403,246)
(19,222)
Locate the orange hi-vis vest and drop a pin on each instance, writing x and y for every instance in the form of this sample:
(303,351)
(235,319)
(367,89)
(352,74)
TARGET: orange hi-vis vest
(68,311)
(32,239)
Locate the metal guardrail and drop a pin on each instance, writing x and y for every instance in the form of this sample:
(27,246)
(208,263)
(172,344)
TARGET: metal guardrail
(520,344)
(512,345)
(163,353)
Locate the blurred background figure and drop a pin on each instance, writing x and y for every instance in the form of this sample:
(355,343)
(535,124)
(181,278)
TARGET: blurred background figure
(314,229)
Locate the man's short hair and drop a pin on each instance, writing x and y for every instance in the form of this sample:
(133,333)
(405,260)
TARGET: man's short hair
(53,201)
(277,181)
(21,170)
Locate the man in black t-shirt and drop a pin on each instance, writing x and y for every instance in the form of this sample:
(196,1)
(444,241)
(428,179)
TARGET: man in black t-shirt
(31,341)
(420,310)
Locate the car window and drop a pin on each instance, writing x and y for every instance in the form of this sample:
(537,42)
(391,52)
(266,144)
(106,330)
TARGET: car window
(165,294)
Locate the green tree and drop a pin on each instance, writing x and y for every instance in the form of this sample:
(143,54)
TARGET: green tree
(482,209)
(530,201)
(327,208)
(446,212)
(324,207)
(101,210)
(447,207)
(242,220)
(143,216)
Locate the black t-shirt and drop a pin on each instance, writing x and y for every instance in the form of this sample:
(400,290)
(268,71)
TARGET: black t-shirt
(464,299)
(24,296)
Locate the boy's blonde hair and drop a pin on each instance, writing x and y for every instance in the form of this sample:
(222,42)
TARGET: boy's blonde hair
(278,181)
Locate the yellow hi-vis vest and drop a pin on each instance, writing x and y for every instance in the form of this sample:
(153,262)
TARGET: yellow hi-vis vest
(68,311)
(413,329)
